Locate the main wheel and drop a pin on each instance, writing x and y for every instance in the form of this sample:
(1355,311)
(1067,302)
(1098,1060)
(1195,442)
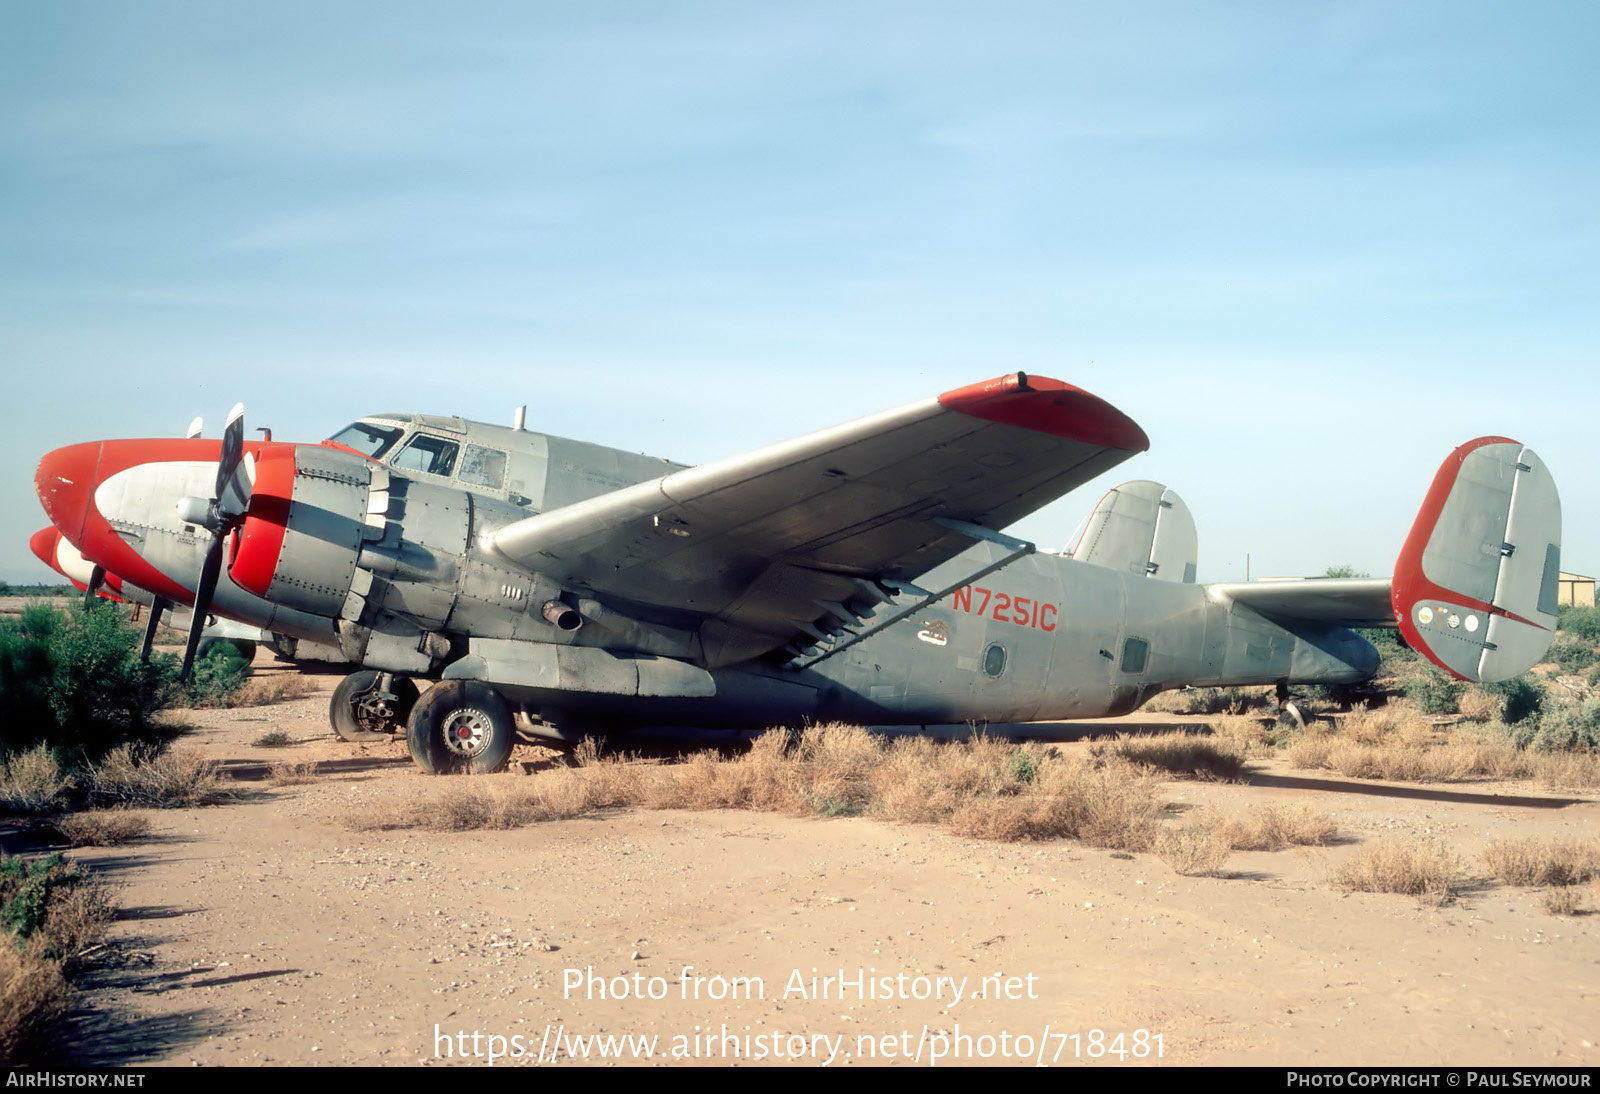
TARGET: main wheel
(461,726)
(360,711)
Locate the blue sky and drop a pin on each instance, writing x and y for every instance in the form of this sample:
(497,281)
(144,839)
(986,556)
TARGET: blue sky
(1309,246)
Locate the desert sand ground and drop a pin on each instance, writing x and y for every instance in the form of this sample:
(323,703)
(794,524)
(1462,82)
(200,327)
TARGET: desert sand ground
(267,931)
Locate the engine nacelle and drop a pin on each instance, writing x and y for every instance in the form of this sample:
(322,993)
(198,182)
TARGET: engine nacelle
(303,532)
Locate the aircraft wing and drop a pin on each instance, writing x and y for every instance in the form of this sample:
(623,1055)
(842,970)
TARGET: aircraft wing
(1338,601)
(761,546)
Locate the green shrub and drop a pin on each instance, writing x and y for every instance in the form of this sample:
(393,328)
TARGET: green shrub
(1392,649)
(76,680)
(1580,621)
(1522,698)
(1572,657)
(1433,692)
(26,888)
(1565,729)
(217,677)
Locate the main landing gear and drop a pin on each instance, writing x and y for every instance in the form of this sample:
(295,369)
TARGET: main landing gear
(371,706)
(461,726)
(456,726)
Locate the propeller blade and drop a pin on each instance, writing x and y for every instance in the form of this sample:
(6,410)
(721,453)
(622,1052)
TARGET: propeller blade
(202,602)
(232,495)
(195,427)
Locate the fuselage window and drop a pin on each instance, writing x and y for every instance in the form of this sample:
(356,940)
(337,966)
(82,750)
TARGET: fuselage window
(483,466)
(430,455)
(1135,652)
(994,660)
(371,441)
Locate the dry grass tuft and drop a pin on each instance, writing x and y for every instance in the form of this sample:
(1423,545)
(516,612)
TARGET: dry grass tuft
(479,802)
(981,787)
(173,778)
(1247,734)
(52,915)
(292,772)
(1416,868)
(1230,700)
(1195,849)
(1188,754)
(1560,900)
(34,996)
(33,782)
(77,919)
(278,688)
(102,827)
(1565,770)
(1413,752)
(1479,705)
(1272,828)
(1534,861)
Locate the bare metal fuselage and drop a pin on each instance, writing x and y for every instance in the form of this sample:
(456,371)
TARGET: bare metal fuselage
(1043,637)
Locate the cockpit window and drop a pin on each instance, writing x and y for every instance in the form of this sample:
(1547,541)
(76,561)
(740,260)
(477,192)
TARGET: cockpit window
(430,455)
(371,441)
(483,466)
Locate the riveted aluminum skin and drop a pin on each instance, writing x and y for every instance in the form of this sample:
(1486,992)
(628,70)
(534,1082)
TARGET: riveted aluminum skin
(322,537)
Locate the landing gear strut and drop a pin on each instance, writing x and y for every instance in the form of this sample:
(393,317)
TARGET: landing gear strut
(1289,712)
(371,706)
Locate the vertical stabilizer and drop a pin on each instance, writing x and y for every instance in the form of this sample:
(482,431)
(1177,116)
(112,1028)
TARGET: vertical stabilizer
(1475,585)
(1141,527)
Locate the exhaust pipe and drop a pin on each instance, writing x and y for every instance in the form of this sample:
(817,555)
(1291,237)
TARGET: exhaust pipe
(561,615)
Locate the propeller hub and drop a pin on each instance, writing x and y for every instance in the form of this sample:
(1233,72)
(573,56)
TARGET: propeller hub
(201,511)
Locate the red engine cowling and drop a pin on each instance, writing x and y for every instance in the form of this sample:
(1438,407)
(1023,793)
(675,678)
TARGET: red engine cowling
(300,538)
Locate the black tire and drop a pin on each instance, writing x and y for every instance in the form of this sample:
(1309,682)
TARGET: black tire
(358,714)
(461,727)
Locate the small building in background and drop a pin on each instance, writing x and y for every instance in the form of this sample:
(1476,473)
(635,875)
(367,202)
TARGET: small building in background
(1576,590)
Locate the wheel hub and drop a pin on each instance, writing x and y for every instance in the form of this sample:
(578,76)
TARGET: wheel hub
(467,731)
(374,714)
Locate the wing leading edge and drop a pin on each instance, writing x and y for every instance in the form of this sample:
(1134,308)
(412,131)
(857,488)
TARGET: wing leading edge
(761,546)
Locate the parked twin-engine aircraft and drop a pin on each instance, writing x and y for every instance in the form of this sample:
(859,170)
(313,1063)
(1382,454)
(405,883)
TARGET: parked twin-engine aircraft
(859,573)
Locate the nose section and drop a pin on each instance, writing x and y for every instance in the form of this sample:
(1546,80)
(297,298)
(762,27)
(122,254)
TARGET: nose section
(65,483)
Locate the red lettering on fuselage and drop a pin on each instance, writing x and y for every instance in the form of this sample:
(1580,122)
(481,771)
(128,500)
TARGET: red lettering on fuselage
(1020,611)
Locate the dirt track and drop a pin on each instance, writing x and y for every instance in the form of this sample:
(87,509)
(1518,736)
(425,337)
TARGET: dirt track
(266,931)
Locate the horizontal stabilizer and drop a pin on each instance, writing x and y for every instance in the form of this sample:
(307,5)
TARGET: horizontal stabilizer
(1141,527)
(1336,601)
(1475,585)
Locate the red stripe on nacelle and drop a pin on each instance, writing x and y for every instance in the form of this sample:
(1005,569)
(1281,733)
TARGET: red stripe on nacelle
(259,540)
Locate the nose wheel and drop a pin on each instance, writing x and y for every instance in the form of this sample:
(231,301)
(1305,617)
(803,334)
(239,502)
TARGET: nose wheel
(461,726)
(371,706)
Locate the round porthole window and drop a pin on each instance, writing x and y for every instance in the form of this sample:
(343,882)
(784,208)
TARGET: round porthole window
(994,660)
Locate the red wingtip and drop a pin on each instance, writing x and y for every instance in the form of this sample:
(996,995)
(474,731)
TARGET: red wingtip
(1048,406)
